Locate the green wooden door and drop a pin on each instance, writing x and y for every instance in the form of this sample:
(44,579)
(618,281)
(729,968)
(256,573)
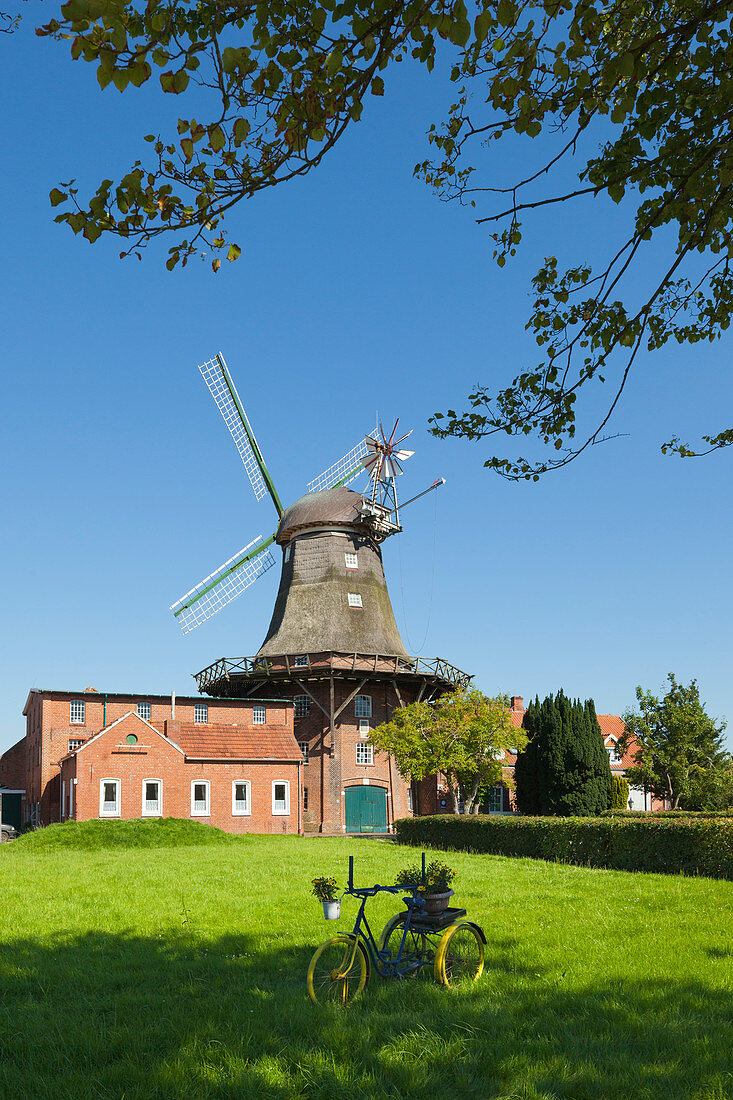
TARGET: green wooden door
(10,813)
(366,810)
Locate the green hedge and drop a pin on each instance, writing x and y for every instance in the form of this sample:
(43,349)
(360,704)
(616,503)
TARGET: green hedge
(695,815)
(652,843)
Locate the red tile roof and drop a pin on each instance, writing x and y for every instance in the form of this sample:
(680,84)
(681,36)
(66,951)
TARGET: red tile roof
(214,742)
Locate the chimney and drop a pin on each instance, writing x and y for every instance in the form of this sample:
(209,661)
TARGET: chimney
(517,702)
(94,690)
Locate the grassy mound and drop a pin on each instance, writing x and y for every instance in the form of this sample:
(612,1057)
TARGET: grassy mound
(165,832)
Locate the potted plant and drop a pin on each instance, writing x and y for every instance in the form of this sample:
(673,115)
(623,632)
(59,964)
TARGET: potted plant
(436,888)
(325,890)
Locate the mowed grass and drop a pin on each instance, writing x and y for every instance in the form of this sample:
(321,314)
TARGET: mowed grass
(179,972)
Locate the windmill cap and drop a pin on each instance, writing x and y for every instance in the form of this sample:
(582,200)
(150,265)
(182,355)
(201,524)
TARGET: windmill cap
(339,507)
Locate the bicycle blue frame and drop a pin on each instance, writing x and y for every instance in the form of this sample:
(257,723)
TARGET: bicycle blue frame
(391,964)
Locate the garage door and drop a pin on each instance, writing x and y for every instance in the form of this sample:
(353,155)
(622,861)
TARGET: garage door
(366,810)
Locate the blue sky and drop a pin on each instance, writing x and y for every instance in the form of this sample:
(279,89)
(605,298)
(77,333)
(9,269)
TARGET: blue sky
(357,290)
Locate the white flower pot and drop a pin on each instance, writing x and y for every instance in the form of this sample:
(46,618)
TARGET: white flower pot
(332,910)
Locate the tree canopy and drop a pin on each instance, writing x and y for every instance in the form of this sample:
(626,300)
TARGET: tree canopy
(639,92)
(677,748)
(463,736)
(565,768)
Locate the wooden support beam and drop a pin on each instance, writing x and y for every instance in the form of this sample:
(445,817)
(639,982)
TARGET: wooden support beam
(348,698)
(310,695)
(398,693)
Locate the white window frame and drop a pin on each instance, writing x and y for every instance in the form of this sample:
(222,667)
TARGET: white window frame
(75,743)
(364,727)
(288,549)
(259,716)
(63,799)
(118,803)
(362,706)
(304,747)
(247,812)
(301,706)
(201,813)
(495,794)
(301,661)
(409,799)
(159,811)
(71,798)
(276,812)
(355,599)
(352,561)
(144,707)
(81,704)
(614,756)
(198,709)
(363,749)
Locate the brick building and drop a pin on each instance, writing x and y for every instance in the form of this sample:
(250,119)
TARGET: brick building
(232,763)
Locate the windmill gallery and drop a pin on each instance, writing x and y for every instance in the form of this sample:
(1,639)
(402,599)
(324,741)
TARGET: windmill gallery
(275,742)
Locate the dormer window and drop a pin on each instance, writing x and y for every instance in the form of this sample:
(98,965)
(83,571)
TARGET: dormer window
(355,599)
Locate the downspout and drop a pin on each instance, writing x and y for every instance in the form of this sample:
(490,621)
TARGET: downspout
(104,718)
(300,800)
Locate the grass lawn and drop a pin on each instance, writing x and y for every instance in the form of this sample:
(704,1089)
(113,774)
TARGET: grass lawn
(179,972)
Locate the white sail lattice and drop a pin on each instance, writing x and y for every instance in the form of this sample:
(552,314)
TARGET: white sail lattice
(343,471)
(222,586)
(220,390)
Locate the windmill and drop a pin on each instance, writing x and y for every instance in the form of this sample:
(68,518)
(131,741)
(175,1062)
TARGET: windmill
(329,508)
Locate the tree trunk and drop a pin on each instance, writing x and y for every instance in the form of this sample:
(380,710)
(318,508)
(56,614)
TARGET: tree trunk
(468,808)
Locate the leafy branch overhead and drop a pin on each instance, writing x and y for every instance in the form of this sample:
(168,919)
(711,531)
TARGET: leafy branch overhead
(636,98)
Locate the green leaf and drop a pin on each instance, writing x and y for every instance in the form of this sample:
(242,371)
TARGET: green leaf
(57,196)
(377,87)
(217,139)
(234,252)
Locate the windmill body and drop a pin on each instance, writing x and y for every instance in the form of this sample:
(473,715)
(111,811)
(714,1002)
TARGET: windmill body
(330,555)
(333,644)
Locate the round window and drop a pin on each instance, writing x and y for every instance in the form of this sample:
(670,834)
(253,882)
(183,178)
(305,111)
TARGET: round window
(131,739)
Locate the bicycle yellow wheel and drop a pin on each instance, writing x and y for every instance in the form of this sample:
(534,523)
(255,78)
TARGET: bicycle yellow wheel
(394,922)
(338,971)
(416,949)
(460,955)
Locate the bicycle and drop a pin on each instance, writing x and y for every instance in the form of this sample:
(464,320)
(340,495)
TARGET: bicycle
(342,966)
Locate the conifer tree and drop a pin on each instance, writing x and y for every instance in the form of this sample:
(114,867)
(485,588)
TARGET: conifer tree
(565,768)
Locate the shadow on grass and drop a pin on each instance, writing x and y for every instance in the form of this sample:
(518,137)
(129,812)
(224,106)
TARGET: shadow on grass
(174,1017)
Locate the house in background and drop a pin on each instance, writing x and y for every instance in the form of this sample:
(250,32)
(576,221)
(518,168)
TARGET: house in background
(501,798)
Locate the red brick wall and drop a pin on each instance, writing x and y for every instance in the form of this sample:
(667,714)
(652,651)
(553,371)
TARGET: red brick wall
(49,730)
(331,769)
(13,766)
(154,757)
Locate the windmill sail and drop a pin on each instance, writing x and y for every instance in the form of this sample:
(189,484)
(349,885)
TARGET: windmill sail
(222,389)
(343,471)
(224,584)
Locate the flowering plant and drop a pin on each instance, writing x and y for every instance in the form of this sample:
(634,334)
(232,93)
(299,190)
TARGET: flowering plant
(438,878)
(325,889)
